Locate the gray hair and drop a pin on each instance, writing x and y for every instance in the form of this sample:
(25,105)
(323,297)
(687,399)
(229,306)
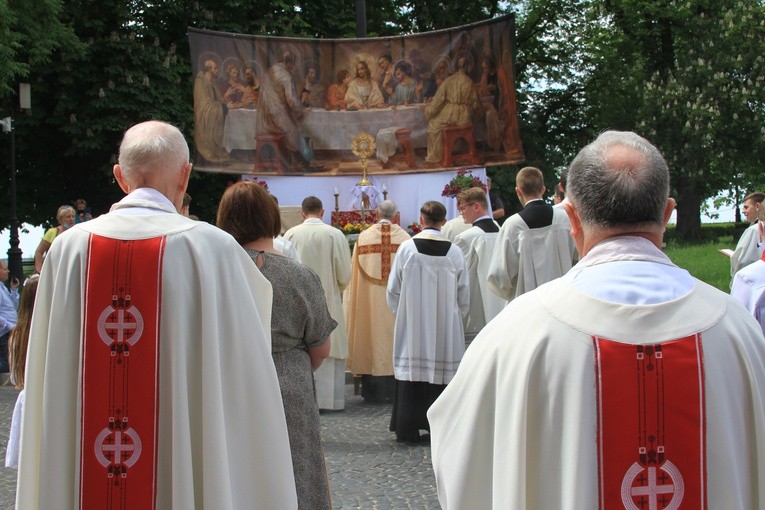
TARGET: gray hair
(61,211)
(387,209)
(151,149)
(612,188)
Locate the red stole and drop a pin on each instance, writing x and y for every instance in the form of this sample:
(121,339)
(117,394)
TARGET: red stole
(651,425)
(120,374)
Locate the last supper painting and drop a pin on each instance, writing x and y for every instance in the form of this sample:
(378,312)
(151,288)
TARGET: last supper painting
(430,101)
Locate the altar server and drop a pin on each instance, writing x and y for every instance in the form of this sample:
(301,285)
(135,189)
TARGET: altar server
(626,383)
(749,284)
(429,293)
(477,244)
(751,244)
(534,245)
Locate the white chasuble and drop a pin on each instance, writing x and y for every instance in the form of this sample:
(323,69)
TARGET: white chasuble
(568,401)
(150,382)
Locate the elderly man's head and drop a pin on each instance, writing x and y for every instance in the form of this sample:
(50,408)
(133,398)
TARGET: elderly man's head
(619,184)
(387,210)
(154,155)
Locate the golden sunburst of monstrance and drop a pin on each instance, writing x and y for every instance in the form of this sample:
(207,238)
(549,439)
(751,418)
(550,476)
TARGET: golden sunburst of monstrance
(363,146)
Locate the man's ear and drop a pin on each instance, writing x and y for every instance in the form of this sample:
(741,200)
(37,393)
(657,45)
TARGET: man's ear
(573,217)
(117,171)
(671,203)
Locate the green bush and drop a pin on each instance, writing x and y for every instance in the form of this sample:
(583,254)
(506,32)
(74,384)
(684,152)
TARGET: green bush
(710,232)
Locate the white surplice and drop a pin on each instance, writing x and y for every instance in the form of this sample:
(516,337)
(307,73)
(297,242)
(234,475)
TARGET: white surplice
(484,304)
(749,247)
(429,295)
(749,289)
(524,258)
(222,436)
(517,426)
(454,227)
(325,249)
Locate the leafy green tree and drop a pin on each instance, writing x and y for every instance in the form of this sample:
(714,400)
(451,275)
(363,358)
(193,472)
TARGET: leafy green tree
(30,31)
(690,78)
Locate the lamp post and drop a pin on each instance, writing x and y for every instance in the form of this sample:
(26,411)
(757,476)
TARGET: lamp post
(15,265)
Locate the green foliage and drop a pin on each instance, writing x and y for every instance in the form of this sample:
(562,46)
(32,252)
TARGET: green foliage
(30,31)
(703,261)
(694,72)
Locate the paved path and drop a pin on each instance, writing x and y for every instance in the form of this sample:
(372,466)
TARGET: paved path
(367,468)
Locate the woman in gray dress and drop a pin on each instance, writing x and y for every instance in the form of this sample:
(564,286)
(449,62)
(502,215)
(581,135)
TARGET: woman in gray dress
(300,328)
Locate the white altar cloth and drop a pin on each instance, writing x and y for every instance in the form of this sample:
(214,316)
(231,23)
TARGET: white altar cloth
(331,129)
(409,191)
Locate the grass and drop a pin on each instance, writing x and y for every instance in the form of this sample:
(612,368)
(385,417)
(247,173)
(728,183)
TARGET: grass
(704,261)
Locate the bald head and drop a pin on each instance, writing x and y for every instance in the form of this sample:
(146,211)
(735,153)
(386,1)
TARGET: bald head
(155,155)
(619,181)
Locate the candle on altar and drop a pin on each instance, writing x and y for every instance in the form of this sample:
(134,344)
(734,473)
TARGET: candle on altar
(385,191)
(337,195)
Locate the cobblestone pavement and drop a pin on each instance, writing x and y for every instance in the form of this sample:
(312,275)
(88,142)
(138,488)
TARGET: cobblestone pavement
(367,468)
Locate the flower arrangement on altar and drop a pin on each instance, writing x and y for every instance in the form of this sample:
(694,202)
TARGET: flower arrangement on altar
(463,180)
(414,228)
(352,227)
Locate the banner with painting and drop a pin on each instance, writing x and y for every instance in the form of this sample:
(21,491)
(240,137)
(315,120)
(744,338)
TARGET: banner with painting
(436,100)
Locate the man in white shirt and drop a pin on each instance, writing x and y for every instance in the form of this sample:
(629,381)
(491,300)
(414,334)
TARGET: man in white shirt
(626,383)
(750,245)
(325,249)
(149,378)
(429,293)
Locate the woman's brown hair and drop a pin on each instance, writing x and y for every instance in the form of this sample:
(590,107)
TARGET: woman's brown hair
(19,339)
(248,212)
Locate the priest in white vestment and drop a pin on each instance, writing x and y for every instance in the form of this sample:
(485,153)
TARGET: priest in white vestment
(428,291)
(534,245)
(751,244)
(325,249)
(477,245)
(627,383)
(369,321)
(149,379)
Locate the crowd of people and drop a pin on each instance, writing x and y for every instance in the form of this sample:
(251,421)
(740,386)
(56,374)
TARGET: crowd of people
(558,360)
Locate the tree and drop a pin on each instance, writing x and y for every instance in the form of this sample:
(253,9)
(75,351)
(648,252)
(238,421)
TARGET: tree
(691,80)
(30,31)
